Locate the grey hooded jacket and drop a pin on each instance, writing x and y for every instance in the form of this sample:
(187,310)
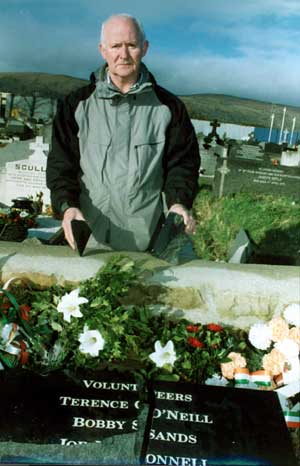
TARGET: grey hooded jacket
(114,154)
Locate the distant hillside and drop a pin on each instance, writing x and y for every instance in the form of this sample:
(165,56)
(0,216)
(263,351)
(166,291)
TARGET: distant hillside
(228,109)
(46,85)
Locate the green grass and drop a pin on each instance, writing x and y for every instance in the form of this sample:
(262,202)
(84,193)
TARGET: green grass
(271,222)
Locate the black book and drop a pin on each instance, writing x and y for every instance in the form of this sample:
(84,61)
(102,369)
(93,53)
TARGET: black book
(81,232)
(172,226)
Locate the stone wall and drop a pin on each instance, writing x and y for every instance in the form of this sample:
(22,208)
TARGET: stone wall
(233,294)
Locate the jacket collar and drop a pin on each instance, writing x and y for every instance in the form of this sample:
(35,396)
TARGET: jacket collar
(105,88)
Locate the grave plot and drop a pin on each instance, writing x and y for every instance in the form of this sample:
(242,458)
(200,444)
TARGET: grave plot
(185,393)
(265,225)
(266,175)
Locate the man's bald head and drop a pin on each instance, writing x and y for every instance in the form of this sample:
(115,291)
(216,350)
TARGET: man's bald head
(123,17)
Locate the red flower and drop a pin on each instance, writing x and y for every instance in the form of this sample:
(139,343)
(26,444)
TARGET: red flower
(24,309)
(214,327)
(192,328)
(23,355)
(5,307)
(195,342)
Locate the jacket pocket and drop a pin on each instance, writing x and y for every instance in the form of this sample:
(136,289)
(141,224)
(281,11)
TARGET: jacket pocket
(93,158)
(145,170)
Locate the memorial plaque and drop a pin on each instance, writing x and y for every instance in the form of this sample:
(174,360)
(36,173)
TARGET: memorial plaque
(247,152)
(196,425)
(101,418)
(44,417)
(237,175)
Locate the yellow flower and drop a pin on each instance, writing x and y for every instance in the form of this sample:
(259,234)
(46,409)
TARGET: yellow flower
(294,334)
(279,328)
(238,360)
(273,362)
(228,368)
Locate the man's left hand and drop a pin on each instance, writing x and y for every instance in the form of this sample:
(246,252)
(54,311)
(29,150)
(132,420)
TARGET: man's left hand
(189,221)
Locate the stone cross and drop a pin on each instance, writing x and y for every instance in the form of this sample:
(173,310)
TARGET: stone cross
(285,134)
(39,147)
(213,142)
(214,124)
(224,170)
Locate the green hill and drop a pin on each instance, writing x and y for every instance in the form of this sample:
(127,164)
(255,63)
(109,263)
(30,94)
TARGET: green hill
(225,108)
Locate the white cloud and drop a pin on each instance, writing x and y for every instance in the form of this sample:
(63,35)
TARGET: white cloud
(257,78)
(260,60)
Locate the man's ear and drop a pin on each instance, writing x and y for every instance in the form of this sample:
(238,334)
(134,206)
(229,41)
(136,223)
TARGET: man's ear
(102,50)
(145,47)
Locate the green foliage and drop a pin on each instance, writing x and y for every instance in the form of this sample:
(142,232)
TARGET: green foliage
(129,331)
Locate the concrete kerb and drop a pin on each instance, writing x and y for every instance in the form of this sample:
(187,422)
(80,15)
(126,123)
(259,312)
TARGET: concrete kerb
(231,294)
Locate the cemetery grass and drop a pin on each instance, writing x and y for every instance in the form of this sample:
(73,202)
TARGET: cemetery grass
(271,222)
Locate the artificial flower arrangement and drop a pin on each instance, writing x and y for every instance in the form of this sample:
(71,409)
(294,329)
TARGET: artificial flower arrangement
(14,223)
(93,326)
(13,216)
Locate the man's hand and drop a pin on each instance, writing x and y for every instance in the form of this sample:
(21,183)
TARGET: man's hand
(189,221)
(72,213)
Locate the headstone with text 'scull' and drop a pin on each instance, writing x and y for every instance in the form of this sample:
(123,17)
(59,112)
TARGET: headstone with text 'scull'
(25,177)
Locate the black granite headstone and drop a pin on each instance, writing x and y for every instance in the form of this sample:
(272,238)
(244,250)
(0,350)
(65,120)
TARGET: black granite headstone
(50,415)
(237,175)
(194,425)
(100,418)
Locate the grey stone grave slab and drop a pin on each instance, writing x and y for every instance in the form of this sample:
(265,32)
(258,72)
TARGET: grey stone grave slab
(23,171)
(241,248)
(237,175)
(208,164)
(45,229)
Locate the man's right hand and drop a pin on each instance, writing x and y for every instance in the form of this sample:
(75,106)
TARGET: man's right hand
(72,213)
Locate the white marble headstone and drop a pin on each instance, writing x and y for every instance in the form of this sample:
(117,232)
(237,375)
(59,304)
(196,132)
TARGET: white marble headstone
(290,158)
(26,177)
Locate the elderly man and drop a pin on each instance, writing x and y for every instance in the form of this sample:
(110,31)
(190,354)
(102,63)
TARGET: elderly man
(118,144)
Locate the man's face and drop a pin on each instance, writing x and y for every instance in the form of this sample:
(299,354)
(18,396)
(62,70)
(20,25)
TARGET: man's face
(122,49)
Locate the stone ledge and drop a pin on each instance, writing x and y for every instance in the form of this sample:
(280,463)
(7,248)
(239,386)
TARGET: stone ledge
(232,294)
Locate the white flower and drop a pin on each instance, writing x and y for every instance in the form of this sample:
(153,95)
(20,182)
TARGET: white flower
(217,380)
(24,214)
(91,341)
(163,354)
(288,347)
(8,334)
(260,336)
(292,314)
(69,305)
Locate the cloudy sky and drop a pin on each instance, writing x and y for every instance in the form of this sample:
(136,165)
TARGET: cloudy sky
(246,48)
